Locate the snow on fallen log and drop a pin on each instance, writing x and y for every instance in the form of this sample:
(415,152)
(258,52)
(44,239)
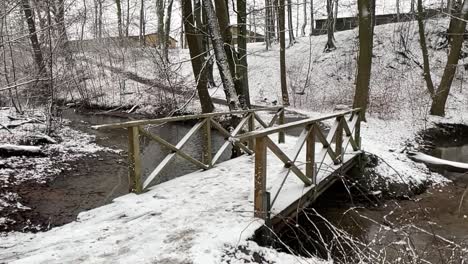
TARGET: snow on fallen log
(439,163)
(20,150)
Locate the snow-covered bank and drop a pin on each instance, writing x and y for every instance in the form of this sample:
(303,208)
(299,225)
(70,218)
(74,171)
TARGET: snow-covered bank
(33,157)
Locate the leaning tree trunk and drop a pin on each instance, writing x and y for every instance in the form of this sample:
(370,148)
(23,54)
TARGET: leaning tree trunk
(242,52)
(440,98)
(290,24)
(422,42)
(36,47)
(221,58)
(281,29)
(361,96)
(196,50)
(330,38)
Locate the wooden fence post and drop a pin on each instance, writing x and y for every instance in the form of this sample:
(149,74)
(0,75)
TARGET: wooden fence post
(357,131)
(134,174)
(281,138)
(251,126)
(339,141)
(310,155)
(207,156)
(260,178)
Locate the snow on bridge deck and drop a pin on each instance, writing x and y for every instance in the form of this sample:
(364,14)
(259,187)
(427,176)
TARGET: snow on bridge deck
(196,218)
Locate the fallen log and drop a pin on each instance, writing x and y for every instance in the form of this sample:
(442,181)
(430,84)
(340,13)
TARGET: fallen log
(8,150)
(439,163)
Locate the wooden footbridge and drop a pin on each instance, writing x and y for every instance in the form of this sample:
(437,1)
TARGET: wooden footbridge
(316,157)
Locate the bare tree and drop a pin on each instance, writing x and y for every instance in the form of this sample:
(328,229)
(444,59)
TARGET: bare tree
(422,42)
(36,47)
(330,46)
(242,67)
(142,24)
(290,24)
(441,95)
(304,8)
(167,31)
(361,96)
(160,22)
(312,27)
(281,29)
(221,58)
(118,3)
(196,54)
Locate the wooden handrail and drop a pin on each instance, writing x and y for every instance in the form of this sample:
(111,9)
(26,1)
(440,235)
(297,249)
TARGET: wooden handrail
(180,118)
(300,123)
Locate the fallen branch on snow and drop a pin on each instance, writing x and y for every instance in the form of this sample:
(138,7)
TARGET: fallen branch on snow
(440,163)
(7,150)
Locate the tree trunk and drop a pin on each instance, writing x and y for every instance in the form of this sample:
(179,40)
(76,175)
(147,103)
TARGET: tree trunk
(221,58)
(440,98)
(142,32)
(127,24)
(36,47)
(225,30)
(281,29)
(330,46)
(335,16)
(160,22)
(361,96)
(312,27)
(422,42)
(195,49)
(242,50)
(167,30)
(398,10)
(119,17)
(267,24)
(305,18)
(290,24)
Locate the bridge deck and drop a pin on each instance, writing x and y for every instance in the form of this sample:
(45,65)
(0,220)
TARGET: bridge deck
(194,218)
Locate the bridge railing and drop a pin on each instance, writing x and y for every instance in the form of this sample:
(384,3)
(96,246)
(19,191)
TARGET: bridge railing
(205,122)
(344,132)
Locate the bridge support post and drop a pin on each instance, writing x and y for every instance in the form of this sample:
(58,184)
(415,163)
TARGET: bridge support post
(310,155)
(260,178)
(339,140)
(207,157)
(281,137)
(251,126)
(357,131)
(134,160)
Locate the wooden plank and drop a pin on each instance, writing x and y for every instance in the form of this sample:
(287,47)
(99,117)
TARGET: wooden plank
(207,156)
(288,163)
(310,155)
(225,133)
(180,118)
(300,123)
(134,160)
(231,135)
(339,141)
(357,131)
(281,136)
(326,144)
(176,150)
(274,118)
(260,178)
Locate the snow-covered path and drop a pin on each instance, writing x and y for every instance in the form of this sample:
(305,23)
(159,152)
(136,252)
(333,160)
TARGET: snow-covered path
(196,218)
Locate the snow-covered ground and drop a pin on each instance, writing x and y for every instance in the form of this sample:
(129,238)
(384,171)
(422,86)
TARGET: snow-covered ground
(48,154)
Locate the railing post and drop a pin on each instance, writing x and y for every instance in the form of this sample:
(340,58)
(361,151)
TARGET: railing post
(357,130)
(260,178)
(207,156)
(280,122)
(251,126)
(310,154)
(339,141)
(134,174)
